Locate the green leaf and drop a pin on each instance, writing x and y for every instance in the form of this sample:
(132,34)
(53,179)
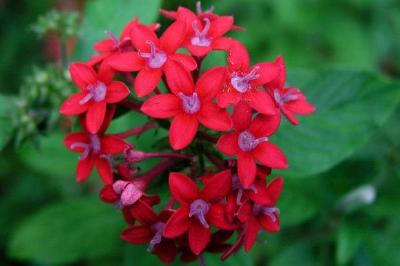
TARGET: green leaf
(6,124)
(351,108)
(68,231)
(105,15)
(294,254)
(348,240)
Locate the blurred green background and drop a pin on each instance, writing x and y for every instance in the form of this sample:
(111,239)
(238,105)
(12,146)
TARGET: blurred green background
(341,202)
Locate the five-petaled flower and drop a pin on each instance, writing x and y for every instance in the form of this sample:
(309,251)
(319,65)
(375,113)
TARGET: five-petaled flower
(190,105)
(97,90)
(199,209)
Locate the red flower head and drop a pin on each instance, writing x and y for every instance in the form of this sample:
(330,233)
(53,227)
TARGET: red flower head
(261,215)
(204,30)
(154,57)
(190,105)
(242,81)
(289,100)
(250,143)
(97,90)
(151,232)
(113,45)
(198,209)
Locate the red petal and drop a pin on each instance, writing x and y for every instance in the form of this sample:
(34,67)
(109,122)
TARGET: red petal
(238,57)
(107,194)
(166,251)
(112,145)
(217,187)
(104,169)
(183,189)
(104,46)
(270,155)
(143,213)
(116,92)
(199,236)
(129,61)
(198,51)
(178,224)
(300,107)
(146,81)
(84,168)
(228,144)
(217,217)
(182,131)
(162,106)
(140,35)
(268,224)
(265,125)
(252,229)
(213,117)
(260,101)
(245,212)
(228,98)
(211,82)
(82,75)
(246,169)
(106,73)
(74,138)
(173,37)
(220,25)
(178,79)
(222,43)
(71,106)
(280,80)
(95,116)
(169,14)
(267,73)
(289,115)
(141,234)
(242,116)
(185,60)
(274,189)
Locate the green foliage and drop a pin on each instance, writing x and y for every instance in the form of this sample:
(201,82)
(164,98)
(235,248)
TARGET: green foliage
(6,124)
(68,231)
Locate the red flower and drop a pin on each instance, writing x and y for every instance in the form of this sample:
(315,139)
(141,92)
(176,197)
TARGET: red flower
(289,100)
(189,106)
(198,209)
(204,31)
(243,81)
(113,45)
(97,90)
(250,143)
(257,216)
(95,150)
(154,57)
(151,233)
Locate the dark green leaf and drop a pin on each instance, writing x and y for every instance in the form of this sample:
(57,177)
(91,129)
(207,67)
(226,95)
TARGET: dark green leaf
(69,231)
(348,240)
(351,107)
(7,105)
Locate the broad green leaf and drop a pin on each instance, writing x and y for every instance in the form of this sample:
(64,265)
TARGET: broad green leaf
(69,231)
(106,15)
(294,254)
(6,125)
(351,108)
(348,240)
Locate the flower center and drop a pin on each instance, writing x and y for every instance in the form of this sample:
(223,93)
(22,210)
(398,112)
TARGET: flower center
(155,58)
(290,95)
(247,141)
(199,209)
(93,147)
(269,211)
(200,37)
(96,91)
(158,229)
(237,186)
(241,83)
(191,104)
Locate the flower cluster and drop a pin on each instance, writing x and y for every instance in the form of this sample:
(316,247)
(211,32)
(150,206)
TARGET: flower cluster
(220,122)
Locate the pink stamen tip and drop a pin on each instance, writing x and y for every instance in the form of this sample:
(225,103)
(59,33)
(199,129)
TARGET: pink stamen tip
(155,58)
(112,37)
(290,95)
(199,209)
(96,92)
(93,147)
(200,37)
(158,229)
(190,104)
(242,83)
(271,212)
(247,142)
